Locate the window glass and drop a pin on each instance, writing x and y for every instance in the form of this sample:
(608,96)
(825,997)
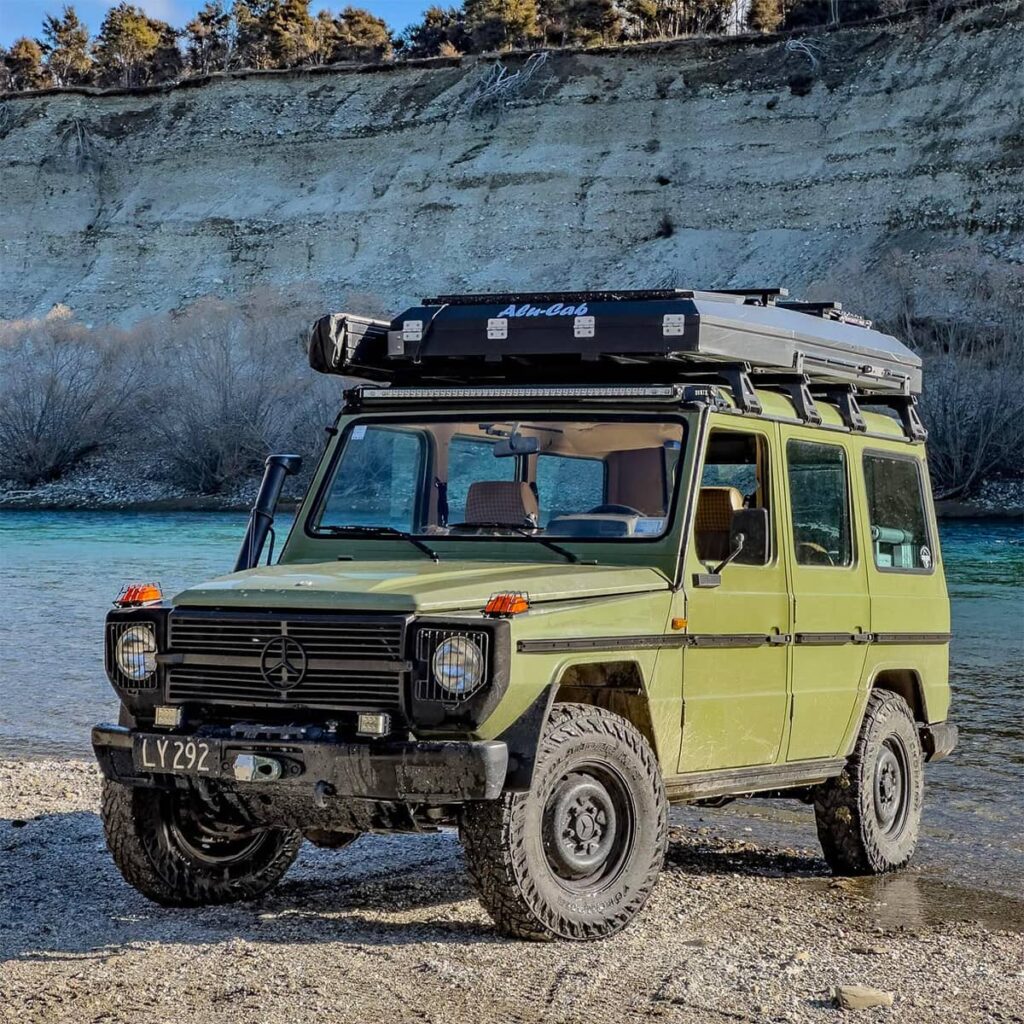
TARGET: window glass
(820,498)
(378,479)
(471,460)
(735,477)
(899,536)
(507,477)
(568,485)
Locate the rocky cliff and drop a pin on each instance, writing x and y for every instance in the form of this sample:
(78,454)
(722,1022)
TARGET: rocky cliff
(823,165)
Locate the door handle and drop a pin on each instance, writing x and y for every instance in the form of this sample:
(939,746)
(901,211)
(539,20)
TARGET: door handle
(779,639)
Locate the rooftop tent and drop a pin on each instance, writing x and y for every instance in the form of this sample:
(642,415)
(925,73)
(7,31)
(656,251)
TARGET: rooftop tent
(616,337)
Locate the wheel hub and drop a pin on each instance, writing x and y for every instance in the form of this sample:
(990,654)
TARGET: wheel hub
(580,826)
(890,787)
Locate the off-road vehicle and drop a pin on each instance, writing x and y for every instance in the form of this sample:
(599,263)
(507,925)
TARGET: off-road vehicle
(567,559)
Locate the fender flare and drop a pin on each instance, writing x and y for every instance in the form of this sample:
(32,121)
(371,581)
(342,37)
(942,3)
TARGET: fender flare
(522,738)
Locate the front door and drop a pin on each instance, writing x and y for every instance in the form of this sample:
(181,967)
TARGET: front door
(736,663)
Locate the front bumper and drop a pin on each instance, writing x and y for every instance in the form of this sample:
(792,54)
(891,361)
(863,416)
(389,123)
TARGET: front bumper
(415,771)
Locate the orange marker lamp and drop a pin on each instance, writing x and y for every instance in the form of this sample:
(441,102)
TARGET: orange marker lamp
(134,594)
(504,605)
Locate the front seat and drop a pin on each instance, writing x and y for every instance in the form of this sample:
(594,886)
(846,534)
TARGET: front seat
(507,502)
(715,506)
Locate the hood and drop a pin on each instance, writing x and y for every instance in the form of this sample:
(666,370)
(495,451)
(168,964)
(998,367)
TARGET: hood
(414,587)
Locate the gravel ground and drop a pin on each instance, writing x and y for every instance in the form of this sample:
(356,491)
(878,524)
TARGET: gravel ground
(389,931)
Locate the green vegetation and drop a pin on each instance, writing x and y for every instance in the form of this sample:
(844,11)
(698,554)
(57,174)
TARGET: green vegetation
(132,49)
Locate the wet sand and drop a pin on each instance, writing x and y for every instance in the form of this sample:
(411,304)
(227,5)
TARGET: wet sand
(388,930)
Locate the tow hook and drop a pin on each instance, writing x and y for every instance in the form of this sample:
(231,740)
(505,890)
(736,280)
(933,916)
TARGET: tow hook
(253,768)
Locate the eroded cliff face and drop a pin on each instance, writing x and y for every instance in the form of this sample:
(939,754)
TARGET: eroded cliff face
(693,164)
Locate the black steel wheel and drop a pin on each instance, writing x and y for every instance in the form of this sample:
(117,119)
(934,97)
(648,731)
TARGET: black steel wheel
(168,848)
(869,817)
(577,856)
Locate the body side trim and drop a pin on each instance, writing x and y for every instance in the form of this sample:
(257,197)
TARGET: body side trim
(759,778)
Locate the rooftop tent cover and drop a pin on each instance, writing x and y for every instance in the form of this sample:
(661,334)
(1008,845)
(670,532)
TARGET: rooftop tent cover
(653,336)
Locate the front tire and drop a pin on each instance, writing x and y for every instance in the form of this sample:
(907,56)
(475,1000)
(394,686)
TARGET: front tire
(166,849)
(578,855)
(869,817)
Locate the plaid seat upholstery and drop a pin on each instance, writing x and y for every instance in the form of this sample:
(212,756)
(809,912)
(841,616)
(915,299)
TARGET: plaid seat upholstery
(509,502)
(715,506)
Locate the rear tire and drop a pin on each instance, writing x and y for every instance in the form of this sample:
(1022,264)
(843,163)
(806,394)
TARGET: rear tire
(869,817)
(164,848)
(578,855)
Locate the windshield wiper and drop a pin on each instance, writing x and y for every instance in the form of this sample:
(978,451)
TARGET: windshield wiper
(524,532)
(380,531)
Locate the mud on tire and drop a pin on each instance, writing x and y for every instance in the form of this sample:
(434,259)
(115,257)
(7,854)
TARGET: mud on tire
(869,817)
(170,855)
(578,855)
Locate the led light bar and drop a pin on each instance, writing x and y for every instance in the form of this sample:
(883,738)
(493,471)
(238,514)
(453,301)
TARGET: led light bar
(665,393)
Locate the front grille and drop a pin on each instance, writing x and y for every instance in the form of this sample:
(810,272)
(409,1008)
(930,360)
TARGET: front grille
(313,660)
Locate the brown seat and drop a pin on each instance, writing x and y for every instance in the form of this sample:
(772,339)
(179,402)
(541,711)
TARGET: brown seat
(508,502)
(715,506)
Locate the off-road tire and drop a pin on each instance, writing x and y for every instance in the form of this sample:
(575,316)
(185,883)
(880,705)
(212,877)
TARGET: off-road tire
(853,836)
(143,844)
(507,841)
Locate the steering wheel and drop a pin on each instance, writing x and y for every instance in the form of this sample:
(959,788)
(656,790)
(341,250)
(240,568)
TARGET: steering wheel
(613,510)
(818,555)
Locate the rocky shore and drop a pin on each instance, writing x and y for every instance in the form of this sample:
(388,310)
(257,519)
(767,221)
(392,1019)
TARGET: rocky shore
(115,483)
(389,930)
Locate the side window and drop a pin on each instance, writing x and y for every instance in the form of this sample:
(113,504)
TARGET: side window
(378,479)
(735,477)
(567,486)
(469,461)
(820,497)
(899,534)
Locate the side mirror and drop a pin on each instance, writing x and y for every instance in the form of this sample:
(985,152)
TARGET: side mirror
(748,532)
(752,525)
(516,444)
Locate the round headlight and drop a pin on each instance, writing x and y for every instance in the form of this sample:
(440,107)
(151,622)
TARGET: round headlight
(135,652)
(458,665)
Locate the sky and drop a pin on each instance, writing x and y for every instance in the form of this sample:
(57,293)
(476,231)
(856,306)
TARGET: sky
(25,17)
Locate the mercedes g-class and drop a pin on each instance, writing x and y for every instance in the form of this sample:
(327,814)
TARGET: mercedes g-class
(567,559)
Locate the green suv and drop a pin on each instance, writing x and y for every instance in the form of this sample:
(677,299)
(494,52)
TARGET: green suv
(566,560)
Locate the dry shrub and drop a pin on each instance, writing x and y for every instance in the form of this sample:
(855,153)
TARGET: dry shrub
(202,396)
(65,390)
(971,341)
(973,403)
(228,383)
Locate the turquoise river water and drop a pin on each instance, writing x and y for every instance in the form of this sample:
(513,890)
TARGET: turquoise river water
(60,570)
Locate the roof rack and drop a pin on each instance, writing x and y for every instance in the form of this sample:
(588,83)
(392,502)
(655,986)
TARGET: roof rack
(764,296)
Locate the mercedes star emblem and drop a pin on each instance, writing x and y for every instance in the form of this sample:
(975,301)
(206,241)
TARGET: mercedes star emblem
(283,662)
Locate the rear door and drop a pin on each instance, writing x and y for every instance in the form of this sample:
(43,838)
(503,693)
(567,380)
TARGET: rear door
(831,606)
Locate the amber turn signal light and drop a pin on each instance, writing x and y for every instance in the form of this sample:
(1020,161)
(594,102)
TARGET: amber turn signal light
(134,594)
(507,604)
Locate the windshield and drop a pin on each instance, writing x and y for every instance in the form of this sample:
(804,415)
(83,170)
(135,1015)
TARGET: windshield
(599,478)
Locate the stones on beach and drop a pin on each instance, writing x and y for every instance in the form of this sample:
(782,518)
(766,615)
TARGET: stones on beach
(861,997)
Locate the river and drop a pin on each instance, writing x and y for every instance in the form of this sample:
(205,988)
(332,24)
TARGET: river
(59,572)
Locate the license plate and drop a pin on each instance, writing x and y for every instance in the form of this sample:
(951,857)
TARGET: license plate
(177,755)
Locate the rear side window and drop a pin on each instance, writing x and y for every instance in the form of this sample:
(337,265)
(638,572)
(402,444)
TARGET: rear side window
(820,498)
(899,532)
